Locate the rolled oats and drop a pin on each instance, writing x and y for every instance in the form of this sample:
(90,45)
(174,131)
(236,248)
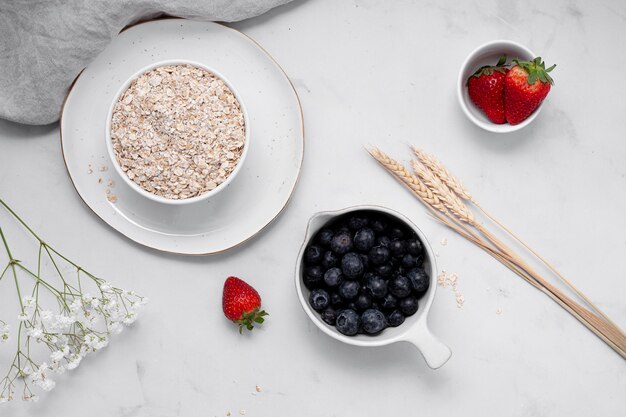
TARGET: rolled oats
(178,131)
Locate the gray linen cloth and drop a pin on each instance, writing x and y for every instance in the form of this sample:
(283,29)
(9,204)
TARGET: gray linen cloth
(44,44)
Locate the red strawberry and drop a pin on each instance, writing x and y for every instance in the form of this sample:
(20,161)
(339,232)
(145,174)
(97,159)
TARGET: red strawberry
(486,89)
(242,304)
(525,87)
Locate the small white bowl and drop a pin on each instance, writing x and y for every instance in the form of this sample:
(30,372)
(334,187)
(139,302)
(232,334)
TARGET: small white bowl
(488,54)
(414,330)
(137,187)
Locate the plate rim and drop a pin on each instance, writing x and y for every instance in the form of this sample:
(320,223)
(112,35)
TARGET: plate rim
(242,242)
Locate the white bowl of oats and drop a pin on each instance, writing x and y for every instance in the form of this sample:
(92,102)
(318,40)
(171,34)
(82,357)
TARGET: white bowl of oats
(177,132)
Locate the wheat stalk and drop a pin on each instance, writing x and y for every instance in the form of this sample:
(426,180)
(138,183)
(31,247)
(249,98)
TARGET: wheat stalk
(411,181)
(447,196)
(454,184)
(442,172)
(442,192)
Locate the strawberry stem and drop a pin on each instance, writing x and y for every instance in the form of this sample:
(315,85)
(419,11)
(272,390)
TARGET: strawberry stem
(489,69)
(536,70)
(248,319)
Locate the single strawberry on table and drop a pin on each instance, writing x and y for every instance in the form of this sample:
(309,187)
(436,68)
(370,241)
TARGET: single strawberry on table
(486,89)
(526,85)
(242,304)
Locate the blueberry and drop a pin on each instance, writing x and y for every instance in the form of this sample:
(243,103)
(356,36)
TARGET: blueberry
(378,225)
(385,270)
(333,277)
(363,301)
(395,318)
(364,239)
(409,261)
(329,259)
(389,302)
(377,287)
(313,276)
(335,299)
(329,316)
(414,247)
(313,254)
(419,280)
(365,260)
(408,305)
(348,322)
(324,237)
(378,255)
(319,299)
(341,243)
(396,233)
(352,265)
(397,247)
(351,306)
(373,321)
(349,289)
(400,286)
(383,241)
(357,222)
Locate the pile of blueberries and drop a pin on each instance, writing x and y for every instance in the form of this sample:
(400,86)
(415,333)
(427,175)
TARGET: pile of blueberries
(365,272)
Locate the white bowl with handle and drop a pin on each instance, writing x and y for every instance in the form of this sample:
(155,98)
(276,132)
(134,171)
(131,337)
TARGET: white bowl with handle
(414,330)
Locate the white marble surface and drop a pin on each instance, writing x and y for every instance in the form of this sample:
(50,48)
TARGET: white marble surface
(384,73)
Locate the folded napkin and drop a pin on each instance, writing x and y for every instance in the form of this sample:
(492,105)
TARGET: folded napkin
(44,44)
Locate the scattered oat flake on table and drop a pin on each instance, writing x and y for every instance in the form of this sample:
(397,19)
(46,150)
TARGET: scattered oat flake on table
(445,280)
(444,242)
(112,198)
(104,168)
(499,311)
(257,388)
(242,412)
(111,183)
(99,180)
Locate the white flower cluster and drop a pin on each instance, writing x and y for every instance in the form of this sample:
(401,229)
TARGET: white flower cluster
(83,325)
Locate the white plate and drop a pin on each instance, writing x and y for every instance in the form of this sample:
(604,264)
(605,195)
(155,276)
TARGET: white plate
(266,181)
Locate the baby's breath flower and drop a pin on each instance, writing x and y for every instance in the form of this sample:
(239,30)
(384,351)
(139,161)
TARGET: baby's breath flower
(5,332)
(31,398)
(74,361)
(57,356)
(28,302)
(130,318)
(46,316)
(27,370)
(41,377)
(23,317)
(116,327)
(35,332)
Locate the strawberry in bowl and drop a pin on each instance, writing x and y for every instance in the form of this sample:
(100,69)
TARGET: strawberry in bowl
(486,89)
(501,96)
(526,85)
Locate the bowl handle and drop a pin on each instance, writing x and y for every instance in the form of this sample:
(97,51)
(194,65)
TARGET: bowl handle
(432,349)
